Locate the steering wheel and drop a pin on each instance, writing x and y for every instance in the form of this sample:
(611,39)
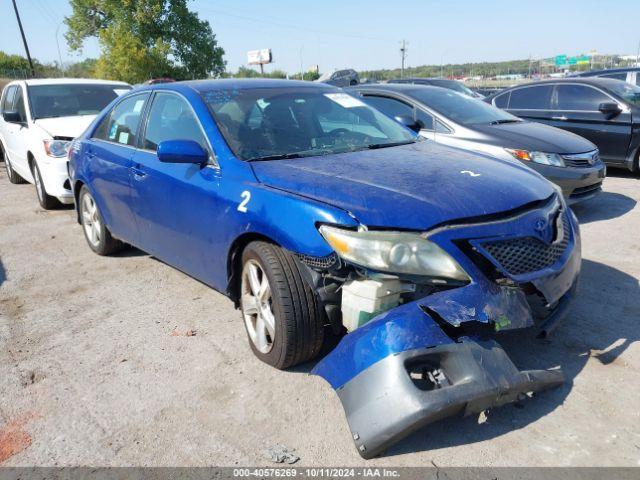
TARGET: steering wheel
(339,131)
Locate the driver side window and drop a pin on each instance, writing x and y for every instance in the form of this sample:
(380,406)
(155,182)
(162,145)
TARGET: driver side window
(171,118)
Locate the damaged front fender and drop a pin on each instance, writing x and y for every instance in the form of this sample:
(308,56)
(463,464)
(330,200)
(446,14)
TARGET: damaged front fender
(401,371)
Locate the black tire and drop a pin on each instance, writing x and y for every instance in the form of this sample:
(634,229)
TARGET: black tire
(299,319)
(105,244)
(11,173)
(46,201)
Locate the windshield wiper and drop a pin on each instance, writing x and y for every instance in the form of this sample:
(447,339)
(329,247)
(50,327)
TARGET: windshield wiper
(280,156)
(391,144)
(505,120)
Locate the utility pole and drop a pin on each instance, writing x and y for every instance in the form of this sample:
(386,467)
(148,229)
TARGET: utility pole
(24,39)
(403,55)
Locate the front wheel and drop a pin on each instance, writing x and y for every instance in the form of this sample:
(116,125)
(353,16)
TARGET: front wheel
(284,322)
(96,232)
(46,201)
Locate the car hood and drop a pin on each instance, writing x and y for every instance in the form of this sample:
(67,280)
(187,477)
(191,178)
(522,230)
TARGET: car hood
(65,126)
(415,186)
(535,137)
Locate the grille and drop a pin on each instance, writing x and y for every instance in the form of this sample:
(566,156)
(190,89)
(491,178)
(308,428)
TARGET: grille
(526,255)
(582,160)
(318,262)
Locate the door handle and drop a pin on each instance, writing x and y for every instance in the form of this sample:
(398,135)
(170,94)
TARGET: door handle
(562,118)
(90,154)
(137,173)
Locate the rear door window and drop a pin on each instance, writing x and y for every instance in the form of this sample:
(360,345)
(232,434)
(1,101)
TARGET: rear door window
(580,97)
(7,101)
(531,98)
(122,124)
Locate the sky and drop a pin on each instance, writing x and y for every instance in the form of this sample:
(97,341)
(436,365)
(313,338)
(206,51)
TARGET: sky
(366,34)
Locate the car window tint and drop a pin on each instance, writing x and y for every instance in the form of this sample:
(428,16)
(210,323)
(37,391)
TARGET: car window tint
(425,120)
(389,106)
(121,125)
(579,97)
(18,104)
(171,118)
(638,78)
(502,101)
(533,98)
(7,101)
(618,76)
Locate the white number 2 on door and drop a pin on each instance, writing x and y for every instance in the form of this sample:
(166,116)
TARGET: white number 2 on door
(246,196)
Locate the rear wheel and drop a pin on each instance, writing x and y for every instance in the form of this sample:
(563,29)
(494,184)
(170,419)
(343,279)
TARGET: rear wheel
(96,232)
(284,322)
(46,201)
(11,173)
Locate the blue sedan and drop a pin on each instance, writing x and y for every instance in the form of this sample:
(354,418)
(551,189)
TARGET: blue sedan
(315,213)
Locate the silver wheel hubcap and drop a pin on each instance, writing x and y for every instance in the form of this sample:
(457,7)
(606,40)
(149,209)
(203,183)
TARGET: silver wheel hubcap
(91,220)
(257,309)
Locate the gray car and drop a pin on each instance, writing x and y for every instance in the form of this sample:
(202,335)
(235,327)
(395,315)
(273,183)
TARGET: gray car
(451,118)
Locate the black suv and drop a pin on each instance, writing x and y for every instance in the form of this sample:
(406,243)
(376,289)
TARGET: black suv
(602,110)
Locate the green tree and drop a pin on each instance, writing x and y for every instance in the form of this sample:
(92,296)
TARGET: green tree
(142,39)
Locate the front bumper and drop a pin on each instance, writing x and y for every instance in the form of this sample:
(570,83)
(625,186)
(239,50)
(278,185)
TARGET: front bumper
(405,392)
(577,184)
(445,339)
(56,178)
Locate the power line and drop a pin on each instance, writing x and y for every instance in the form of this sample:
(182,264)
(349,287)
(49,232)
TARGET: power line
(24,39)
(303,28)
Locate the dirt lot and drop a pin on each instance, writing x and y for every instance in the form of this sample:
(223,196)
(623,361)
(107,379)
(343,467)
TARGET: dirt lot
(91,372)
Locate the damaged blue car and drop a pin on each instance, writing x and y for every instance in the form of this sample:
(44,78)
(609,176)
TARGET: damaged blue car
(316,213)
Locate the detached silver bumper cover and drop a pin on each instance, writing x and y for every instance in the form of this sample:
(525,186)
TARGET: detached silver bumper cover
(408,390)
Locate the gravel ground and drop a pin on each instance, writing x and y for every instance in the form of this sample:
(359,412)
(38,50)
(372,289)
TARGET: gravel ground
(96,367)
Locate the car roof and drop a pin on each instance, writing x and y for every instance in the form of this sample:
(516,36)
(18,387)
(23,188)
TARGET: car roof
(607,71)
(72,81)
(397,87)
(235,83)
(596,81)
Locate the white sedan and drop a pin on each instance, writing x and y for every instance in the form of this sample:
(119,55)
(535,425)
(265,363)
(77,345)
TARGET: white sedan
(38,120)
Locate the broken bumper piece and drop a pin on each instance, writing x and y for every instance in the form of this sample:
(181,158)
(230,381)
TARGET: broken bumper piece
(401,371)
(407,391)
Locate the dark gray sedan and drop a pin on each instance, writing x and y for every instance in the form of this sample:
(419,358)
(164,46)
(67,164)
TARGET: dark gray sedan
(454,119)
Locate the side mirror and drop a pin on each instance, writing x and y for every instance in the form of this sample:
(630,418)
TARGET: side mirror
(610,109)
(12,116)
(408,121)
(182,151)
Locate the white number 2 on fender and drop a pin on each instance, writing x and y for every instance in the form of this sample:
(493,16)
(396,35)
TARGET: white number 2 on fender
(246,196)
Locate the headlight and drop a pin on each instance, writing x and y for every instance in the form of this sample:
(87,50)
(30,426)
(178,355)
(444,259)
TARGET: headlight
(393,252)
(56,148)
(537,157)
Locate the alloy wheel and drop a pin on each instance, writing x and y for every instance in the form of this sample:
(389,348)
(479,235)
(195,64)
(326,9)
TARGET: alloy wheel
(91,220)
(257,306)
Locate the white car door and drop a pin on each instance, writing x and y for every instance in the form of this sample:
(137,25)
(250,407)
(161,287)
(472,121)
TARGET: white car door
(18,135)
(7,129)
